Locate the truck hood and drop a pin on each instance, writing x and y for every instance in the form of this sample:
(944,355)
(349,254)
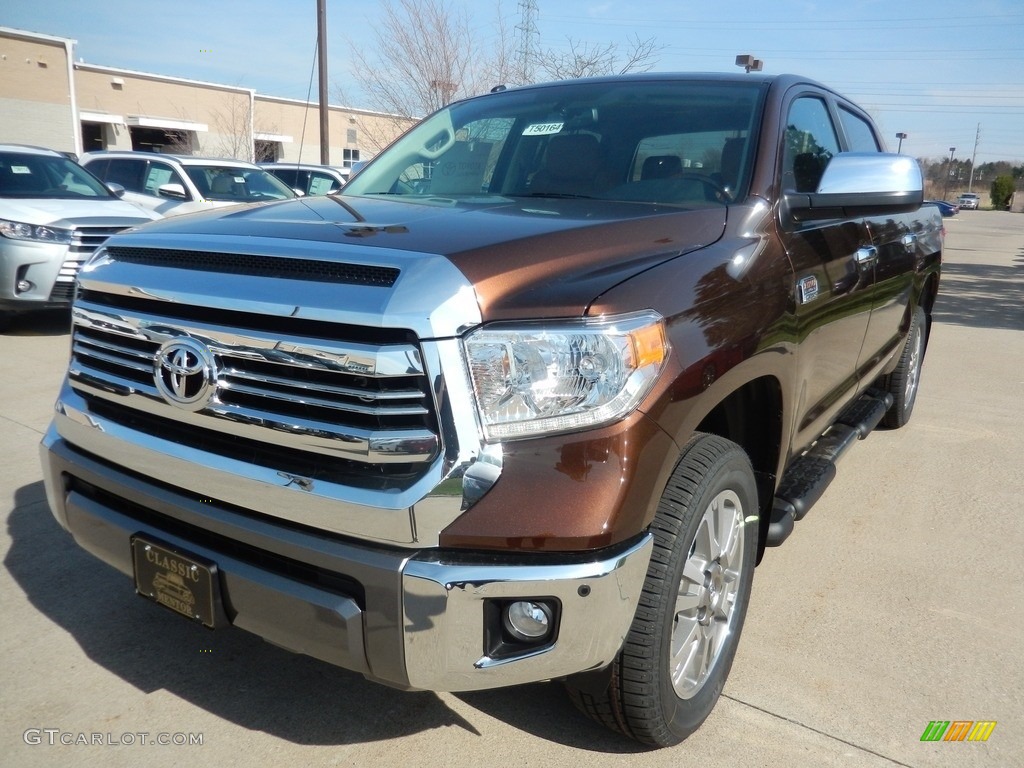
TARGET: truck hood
(524,257)
(66,213)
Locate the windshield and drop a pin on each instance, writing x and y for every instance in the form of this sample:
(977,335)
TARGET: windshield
(237,185)
(676,142)
(29,175)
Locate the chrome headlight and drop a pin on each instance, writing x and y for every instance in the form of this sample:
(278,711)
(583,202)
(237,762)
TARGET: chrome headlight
(16,230)
(534,379)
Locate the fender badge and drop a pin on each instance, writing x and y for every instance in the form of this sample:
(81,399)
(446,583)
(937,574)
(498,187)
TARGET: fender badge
(807,289)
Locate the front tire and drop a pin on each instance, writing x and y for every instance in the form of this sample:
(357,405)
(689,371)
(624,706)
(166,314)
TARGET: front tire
(680,647)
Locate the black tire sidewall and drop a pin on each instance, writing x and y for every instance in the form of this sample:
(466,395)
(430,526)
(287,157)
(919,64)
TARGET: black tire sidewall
(731,472)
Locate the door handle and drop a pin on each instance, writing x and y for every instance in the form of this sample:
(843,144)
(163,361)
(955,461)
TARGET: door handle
(908,241)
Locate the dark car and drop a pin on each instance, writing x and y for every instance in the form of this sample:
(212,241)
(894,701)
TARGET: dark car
(945,208)
(527,400)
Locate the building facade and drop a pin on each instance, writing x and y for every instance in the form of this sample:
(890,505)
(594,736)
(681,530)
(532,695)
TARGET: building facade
(47,99)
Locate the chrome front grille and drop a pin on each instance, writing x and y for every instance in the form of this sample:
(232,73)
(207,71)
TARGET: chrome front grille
(354,400)
(84,240)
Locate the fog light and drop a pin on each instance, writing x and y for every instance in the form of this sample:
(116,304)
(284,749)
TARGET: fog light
(528,621)
(24,285)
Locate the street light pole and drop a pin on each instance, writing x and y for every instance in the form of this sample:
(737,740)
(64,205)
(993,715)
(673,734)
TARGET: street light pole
(949,172)
(901,136)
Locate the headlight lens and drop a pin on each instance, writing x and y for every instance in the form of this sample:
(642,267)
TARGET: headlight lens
(537,379)
(17,230)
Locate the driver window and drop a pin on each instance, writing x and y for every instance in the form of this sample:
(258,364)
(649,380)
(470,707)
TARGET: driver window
(810,143)
(159,174)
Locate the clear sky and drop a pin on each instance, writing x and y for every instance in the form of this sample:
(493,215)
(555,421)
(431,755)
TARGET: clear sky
(934,69)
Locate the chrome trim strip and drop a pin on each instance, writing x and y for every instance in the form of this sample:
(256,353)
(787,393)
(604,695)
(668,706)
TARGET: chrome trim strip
(305,399)
(443,626)
(319,437)
(80,348)
(395,394)
(282,349)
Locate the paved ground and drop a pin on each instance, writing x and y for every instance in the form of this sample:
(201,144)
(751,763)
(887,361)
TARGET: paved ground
(899,600)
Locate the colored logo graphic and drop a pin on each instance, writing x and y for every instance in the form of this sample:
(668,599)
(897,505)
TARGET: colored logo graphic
(958,730)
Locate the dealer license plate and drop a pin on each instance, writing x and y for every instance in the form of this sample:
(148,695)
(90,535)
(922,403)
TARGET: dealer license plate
(182,582)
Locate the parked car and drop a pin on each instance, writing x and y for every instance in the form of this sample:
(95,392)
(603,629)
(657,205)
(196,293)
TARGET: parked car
(945,208)
(309,179)
(968,200)
(53,215)
(175,184)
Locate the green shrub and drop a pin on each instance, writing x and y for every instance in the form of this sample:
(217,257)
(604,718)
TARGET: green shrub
(1002,191)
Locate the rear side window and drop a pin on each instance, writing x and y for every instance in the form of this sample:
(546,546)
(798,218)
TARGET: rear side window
(127,173)
(288,175)
(858,132)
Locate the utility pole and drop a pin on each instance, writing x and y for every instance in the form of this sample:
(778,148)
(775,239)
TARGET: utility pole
(949,172)
(321,50)
(977,138)
(527,28)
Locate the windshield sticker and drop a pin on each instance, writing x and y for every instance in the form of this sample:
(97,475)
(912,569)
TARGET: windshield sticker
(20,169)
(542,129)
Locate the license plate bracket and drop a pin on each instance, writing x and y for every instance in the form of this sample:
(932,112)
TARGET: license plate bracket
(181,581)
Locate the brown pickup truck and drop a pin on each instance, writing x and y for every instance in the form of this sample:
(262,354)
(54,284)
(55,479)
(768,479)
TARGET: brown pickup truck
(526,401)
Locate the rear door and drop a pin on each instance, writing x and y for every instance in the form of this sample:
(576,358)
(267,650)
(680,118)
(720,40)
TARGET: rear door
(833,291)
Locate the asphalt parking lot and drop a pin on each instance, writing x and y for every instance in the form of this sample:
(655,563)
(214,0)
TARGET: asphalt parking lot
(898,601)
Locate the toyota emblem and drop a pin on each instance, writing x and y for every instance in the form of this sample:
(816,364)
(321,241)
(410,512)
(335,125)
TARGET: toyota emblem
(185,373)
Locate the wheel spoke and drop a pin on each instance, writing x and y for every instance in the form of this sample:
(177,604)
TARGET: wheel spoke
(685,650)
(687,604)
(693,570)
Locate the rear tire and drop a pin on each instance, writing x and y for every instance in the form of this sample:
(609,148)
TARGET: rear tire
(679,650)
(904,381)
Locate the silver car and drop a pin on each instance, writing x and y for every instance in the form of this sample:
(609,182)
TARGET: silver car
(177,184)
(53,215)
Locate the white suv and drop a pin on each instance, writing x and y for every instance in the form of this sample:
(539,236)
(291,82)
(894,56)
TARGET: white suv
(309,179)
(176,184)
(968,200)
(53,215)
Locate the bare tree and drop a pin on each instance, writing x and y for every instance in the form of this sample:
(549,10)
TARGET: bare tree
(589,59)
(232,125)
(235,129)
(425,54)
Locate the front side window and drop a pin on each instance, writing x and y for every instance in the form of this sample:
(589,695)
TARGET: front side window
(685,143)
(810,142)
(322,184)
(159,174)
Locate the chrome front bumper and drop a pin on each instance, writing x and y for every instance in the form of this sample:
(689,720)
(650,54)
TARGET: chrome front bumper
(410,619)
